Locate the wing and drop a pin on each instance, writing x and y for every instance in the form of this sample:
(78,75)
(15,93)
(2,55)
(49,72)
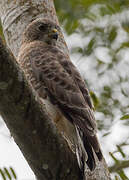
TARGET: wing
(72,70)
(62,88)
(65,88)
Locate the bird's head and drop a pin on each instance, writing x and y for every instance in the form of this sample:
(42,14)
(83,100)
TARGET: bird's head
(42,30)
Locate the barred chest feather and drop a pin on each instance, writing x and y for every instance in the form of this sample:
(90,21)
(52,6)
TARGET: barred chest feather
(63,125)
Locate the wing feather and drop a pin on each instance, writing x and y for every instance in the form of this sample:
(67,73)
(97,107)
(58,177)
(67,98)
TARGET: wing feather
(62,86)
(72,70)
(52,74)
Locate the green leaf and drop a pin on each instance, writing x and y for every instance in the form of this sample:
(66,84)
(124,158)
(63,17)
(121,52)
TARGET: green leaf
(104,11)
(125,117)
(89,48)
(13,173)
(122,175)
(114,158)
(120,150)
(124,93)
(112,34)
(106,134)
(107,92)
(94,98)
(123,45)
(111,8)
(99,29)
(2,174)
(7,173)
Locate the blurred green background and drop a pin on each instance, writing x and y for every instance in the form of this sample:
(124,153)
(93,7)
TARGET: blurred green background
(97,33)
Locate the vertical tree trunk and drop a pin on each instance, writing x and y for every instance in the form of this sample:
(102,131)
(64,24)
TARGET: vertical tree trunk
(15,15)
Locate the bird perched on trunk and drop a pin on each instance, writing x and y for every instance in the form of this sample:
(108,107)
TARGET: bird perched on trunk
(55,78)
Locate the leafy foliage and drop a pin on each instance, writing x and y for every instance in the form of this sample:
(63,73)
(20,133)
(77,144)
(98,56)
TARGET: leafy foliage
(7,174)
(103,27)
(125,117)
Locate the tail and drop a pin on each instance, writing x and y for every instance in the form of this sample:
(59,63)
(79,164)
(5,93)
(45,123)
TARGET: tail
(92,147)
(88,147)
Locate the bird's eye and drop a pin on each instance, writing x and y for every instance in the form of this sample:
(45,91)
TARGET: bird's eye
(43,27)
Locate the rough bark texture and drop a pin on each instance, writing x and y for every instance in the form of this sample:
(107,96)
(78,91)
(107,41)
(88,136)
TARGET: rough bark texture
(46,152)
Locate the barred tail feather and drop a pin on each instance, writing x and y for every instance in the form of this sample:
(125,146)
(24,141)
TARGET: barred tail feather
(91,160)
(86,151)
(93,141)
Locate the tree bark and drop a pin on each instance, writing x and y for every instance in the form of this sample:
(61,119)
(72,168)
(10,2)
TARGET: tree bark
(46,151)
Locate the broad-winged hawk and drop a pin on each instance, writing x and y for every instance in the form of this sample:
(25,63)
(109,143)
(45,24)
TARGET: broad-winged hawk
(54,77)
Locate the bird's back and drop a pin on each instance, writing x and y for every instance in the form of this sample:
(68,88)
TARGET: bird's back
(52,74)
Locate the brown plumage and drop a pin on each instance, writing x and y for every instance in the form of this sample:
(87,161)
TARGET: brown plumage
(53,75)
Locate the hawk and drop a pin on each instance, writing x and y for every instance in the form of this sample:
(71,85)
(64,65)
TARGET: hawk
(54,77)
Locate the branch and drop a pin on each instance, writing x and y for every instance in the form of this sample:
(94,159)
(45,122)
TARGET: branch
(45,150)
(118,166)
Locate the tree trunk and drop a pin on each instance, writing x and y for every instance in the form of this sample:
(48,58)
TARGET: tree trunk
(44,148)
